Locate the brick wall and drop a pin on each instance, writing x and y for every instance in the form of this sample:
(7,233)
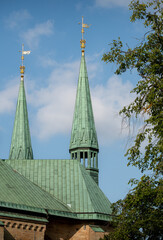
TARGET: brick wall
(55,230)
(86,233)
(1,232)
(21,230)
(58,230)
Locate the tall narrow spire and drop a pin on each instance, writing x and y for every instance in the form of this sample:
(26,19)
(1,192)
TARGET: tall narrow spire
(21,147)
(84,143)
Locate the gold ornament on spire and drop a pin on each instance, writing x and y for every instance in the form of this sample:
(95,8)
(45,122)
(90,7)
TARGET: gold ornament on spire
(22,67)
(83,41)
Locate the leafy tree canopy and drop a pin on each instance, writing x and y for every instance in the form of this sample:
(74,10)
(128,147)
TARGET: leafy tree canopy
(138,216)
(147,59)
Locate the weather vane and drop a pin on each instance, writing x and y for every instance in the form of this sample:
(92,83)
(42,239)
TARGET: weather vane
(83,41)
(22,67)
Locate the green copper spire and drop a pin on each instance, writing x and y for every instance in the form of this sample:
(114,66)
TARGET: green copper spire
(84,143)
(83,129)
(21,147)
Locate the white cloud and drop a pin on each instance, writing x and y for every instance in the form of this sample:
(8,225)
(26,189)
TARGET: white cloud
(112,3)
(8,98)
(107,101)
(32,35)
(17,18)
(47,61)
(55,114)
(55,104)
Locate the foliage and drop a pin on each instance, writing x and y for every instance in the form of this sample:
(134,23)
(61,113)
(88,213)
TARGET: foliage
(138,216)
(147,59)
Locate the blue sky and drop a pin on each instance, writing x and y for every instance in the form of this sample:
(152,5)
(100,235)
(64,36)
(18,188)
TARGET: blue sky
(51,31)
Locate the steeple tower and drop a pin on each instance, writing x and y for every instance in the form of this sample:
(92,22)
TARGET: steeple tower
(84,143)
(21,147)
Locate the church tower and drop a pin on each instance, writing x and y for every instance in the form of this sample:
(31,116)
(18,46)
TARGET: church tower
(84,143)
(21,147)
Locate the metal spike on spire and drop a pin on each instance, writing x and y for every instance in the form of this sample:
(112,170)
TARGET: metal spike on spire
(22,67)
(83,41)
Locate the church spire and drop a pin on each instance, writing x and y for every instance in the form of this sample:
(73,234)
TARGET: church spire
(21,147)
(84,143)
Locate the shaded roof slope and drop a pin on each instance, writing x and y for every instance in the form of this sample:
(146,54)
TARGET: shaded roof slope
(99,201)
(21,147)
(68,181)
(16,190)
(83,132)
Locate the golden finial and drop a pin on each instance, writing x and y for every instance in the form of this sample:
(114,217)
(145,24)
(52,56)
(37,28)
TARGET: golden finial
(82,41)
(22,67)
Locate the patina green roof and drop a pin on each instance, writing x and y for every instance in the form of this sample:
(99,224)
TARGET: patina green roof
(83,132)
(18,192)
(96,228)
(23,216)
(21,147)
(68,181)
(1,223)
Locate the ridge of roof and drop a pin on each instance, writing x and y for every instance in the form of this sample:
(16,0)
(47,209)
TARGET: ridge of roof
(21,147)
